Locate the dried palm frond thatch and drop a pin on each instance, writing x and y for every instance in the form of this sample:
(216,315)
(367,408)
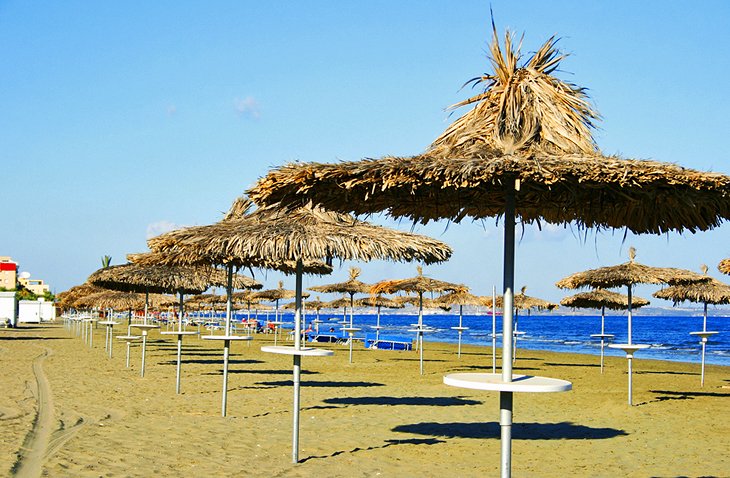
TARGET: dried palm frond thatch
(724,266)
(269,236)
(528,127)
(710,291)
(523,301)
(627,274)
(599,298)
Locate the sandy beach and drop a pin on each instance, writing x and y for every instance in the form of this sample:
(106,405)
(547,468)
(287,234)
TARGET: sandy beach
(68,410)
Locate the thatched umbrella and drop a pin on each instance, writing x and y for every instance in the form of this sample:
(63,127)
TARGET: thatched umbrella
(602,299)
(115,300)
(419,285)
(460,298)
(628,274)
(711,291)
(525,302)
(350,287)
(275,295)
(524,151)
(724,266)
(379,301)
(269,236)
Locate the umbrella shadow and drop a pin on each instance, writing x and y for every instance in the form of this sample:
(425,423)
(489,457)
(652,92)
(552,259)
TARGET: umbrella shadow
(654,372)
(409,401)
(555,364)
(520,431)
(665,395)
(388,443)
(208,362)
(416,359)
(263,372)
(321,383)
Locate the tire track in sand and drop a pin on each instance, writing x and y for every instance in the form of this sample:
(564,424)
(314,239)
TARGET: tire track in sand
(33,453)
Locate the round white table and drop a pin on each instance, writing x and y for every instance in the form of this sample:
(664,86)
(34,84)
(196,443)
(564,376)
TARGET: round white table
(144,328)
(129,339)
(108,339)
(520,383)
(227,339)
(297,354)
(180,334)
(461,331)
(604,338)
(351,333)
(703,335)
(630,349)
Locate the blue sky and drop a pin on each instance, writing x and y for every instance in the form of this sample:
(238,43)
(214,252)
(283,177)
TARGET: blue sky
(121,120)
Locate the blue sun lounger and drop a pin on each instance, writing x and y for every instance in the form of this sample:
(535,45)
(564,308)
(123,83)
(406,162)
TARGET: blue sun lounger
(389,344)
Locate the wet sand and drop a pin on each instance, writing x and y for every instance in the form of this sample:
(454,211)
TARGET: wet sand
(68,410)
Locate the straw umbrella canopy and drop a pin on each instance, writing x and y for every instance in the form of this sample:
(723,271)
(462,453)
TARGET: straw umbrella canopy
(724,266)
(350,287)
(275,295)
(602,299)
(711,291)
(67,299)
(628,274)
(460,298)
(379,301)
(419,284)
(525,151)
(270,235)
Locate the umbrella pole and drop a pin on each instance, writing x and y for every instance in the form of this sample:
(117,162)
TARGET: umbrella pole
(629,356)
(460,317)
(505,398)
(351,334)
(704,344)
(179,346)
(420,329)
(603,321)
(227,343)
(494,329)
(297,359)
(377,330)
(144,331)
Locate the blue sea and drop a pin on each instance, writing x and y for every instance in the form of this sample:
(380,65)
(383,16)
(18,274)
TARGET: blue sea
(668,335)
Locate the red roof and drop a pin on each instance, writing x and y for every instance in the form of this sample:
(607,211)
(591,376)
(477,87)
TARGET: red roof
(8,266)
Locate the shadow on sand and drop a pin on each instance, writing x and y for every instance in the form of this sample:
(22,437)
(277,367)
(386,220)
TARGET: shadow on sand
(321,383)
(520,431)
(424,401)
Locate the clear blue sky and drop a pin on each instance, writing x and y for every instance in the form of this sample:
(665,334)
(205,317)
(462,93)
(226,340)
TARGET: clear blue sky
(119,120)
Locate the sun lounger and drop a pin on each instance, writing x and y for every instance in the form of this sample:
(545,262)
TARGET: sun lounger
(326,338)
(388,344)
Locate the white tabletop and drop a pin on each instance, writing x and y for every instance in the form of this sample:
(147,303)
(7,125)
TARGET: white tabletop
(180,332)
(519,383)
(290,350)
(519,332)
(378,327)
(629,348)
(460,328)
(226,337)
(129,337)
(145,326)
(602,336)
(705,333)
(275,322)
(351,330)
(108,322)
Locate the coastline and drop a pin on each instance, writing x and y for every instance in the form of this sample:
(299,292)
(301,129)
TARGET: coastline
(374,417)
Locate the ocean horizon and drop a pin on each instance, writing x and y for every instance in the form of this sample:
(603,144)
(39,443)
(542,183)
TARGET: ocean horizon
(668,335)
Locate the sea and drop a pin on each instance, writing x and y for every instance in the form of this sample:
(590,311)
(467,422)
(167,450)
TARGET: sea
(669,335)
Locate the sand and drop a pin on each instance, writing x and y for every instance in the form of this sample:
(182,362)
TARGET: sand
(68,410)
